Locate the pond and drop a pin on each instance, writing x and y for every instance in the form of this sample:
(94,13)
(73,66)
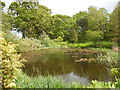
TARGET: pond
(62,63)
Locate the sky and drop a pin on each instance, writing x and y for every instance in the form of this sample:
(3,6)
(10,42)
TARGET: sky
(70,7)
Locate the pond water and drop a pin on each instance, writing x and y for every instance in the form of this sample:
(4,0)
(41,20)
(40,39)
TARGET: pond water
(62,64)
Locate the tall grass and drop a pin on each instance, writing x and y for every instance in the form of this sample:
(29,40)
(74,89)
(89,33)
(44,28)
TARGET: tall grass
(110,58)
(24,81)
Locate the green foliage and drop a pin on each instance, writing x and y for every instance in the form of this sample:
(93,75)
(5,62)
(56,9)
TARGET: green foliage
(116,72)
(27,44)
(6,25)
(24,81)
(59,39)
(117,83)
(73,36)
(97,84)
(2,5)
(10,63)
(94,35)
(29,20)
(45,39)
(81,45)
(110,58)
(97,19)
(9,37)
(103,44)
(115,24)
(61,26)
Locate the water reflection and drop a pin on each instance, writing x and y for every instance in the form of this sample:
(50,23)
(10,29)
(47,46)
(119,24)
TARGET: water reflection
(72,77)
(63,65)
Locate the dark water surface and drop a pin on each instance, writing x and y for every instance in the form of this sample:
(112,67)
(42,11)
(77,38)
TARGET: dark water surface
(63,65)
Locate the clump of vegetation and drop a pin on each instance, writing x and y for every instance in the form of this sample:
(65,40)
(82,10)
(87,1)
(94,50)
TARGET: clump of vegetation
(24,81)
(59,39)
(115,72)
(26,44)
(110,58)
(10,63)
(45,39)
(97,84)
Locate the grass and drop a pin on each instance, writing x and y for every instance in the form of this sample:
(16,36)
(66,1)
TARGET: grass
(24,81)
(110,58)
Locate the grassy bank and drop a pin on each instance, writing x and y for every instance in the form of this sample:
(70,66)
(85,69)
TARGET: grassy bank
(24,81)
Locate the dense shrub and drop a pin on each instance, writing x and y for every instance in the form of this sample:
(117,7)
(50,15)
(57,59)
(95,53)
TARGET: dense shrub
(26,44)
(9,37)
(116,72)
(59,39)
(45,39)
(10,63)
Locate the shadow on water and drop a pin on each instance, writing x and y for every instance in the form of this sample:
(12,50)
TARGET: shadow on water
(63,65)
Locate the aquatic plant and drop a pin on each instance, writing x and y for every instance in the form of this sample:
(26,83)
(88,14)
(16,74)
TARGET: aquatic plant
(110,58)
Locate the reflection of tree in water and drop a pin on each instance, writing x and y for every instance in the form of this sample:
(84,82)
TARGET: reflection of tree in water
(63,64)
(51,67)
(93,71)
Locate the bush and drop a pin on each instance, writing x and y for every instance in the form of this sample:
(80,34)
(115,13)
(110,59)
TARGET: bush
(9,37)
(10,63)
(26,44)
(116,72)
(59,39)
(45,40)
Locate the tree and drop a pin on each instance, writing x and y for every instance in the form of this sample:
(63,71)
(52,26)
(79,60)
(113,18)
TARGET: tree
(94,36)
(97,19)
(115,24)
(73,36)
(2,5)
(61,26)
(30,18)
(81,24)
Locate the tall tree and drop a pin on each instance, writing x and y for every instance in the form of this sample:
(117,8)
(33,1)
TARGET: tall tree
(30,18)
(61,26)
(73,36)
(115,23)
(97,19)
